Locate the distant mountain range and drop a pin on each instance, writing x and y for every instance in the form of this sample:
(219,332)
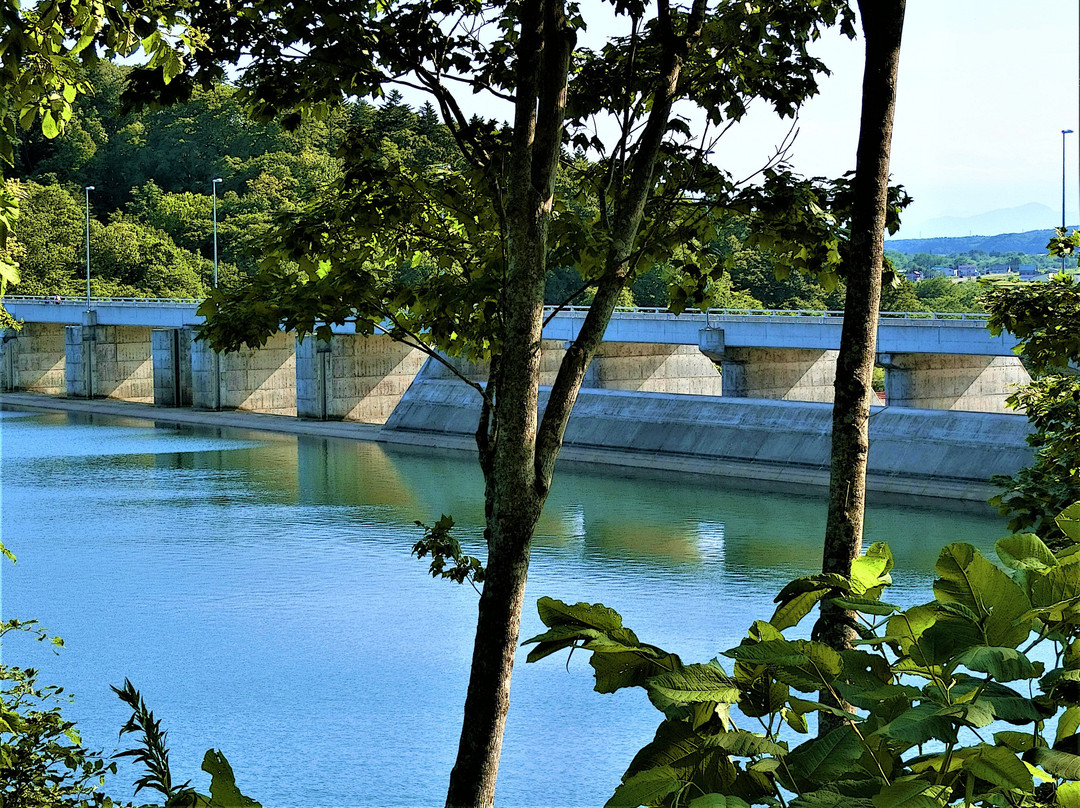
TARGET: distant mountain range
(1033,242)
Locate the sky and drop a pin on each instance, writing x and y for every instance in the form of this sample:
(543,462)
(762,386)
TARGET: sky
(985,88)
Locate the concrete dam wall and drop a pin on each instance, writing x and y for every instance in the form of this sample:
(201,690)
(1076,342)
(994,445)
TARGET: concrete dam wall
(939,453)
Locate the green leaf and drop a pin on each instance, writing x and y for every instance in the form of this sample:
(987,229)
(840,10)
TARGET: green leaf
(1069,521)
(1000,767)
(827,798)
(628,669)
(968,579)
(744,744)
(1004,664)
(645,788)
(49,127)
(1059,764)
(1068,723)
(820,760)
(799,596)
(1017,741)
(591,615)
(1025,551)
(719,801)
(223,790)
(920,724)
(1068,795)
(913,793)
(866,605)
(695,683)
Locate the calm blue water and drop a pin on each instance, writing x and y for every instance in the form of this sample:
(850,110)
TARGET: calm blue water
(259,590)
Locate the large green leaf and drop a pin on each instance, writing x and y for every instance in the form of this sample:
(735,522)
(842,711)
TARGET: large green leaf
(866,605)
(589,615)
(820,760)
(744,744)
(1000,767)
(923,722)
(803,664)
(870,572)
(827,798)
(1025,551)
(628,669)
(1068,795)
(695,683)
(645,788)
(1068,723)
(1056,591)
(967,578)
(1060,764)
(799,596)
(911,793)
(719,801)
(1004,664)
(1069,521)
(223,790)
(1006,703)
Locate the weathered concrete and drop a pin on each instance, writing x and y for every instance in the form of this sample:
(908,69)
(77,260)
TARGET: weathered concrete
(946,382)
(653,368)
(551,356)
(32,359)
(171,350)
(926,452)
(791,374)
(108,361)
(262,380)
(353,377)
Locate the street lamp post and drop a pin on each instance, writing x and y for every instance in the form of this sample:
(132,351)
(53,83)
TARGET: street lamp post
(88,189)
(213,187)
(1063,133)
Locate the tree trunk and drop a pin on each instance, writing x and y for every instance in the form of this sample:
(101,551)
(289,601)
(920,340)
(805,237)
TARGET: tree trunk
(472,780)
(508,458)
(882,22)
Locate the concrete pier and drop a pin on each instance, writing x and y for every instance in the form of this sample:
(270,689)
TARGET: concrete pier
(783,374)
(33,359)
(653,368)
(262,380)
(353,377)
(950,382)
(171,352)
(108,361)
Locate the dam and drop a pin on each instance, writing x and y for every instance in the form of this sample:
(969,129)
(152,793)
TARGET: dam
(733,393)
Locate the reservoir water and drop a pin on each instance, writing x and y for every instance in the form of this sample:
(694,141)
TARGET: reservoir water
(259,590)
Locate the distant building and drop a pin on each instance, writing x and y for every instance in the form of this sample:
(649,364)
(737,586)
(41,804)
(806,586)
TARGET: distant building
(942,272)
(967,271)
(998,269)
(914,275)
(1028,271)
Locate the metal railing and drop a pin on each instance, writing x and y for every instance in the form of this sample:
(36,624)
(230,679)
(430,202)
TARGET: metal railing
(572,311)
(71,300)
(810,314)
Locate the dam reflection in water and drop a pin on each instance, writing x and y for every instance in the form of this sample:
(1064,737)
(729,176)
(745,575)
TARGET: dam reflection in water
(258,588)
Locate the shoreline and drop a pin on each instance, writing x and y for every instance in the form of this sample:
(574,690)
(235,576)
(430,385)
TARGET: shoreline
(803,481)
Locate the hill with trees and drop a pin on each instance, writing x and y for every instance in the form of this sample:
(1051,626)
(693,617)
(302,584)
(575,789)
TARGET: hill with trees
(151,208)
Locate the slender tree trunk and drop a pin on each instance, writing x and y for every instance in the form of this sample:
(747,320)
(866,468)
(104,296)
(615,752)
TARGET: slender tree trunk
(513,496)
(883,22)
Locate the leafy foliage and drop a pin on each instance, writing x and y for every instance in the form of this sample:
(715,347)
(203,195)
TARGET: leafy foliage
(1045,318)
(42,759)
(442,547)
(154,757)
(941,693)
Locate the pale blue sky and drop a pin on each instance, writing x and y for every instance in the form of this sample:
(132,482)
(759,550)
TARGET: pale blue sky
(986,86)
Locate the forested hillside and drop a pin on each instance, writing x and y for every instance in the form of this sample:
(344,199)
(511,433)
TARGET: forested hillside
(151,206)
